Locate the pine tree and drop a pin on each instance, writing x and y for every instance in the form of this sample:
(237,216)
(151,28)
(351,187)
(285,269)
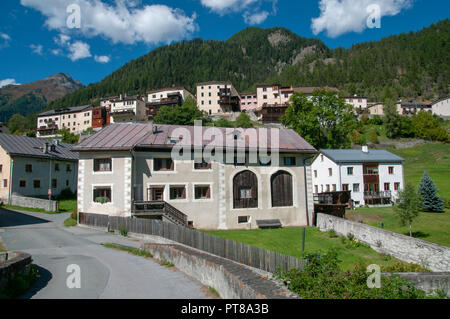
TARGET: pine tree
(428,190)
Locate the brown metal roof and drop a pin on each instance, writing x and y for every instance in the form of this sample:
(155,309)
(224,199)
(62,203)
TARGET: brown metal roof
(129,136)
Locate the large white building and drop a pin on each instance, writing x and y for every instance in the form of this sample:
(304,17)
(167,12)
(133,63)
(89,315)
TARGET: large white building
(218,97)
(374,177)
(167,94)
(442,108)
(358,102)
(126,108)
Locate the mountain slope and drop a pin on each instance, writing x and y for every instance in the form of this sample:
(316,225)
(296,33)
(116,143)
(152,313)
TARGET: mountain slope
(406,66)
(248,57)
(32,97)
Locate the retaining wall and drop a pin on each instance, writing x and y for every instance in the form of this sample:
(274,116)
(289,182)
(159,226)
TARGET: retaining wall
(428,282)
(12,263)
(432,256)
(50,206)
(230,279)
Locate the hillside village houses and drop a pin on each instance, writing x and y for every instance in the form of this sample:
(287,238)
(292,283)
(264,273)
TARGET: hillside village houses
(173,97)
(218,97)
(127,168)
(127,108)
(374,177)
(31,167)
(76,119)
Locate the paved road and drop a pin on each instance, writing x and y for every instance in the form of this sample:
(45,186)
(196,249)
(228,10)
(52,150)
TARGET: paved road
(105,273)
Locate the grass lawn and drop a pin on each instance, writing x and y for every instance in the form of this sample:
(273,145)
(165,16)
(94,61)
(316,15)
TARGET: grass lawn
(431,157)
(433,227)
(65,206)
(288,241)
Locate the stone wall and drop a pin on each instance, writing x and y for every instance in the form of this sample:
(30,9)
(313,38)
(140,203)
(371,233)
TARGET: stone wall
(50,206)
(428,282)
(11,264)
(230,279)
(432,256)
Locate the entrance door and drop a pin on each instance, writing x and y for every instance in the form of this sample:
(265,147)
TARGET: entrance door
(156,194)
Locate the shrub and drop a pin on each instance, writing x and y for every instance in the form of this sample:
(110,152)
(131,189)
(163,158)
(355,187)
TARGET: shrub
(67,194)
(323,279)
(404,267)
(373,136)
(350,236)
(123,231)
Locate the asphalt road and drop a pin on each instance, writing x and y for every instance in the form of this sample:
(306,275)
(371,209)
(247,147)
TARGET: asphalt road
(105,273)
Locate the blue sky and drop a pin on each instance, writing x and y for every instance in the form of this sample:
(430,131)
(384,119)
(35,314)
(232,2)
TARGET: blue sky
(36,41)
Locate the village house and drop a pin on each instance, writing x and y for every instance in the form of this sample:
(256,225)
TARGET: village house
(358,102)
(31,167)
(249,102)
(76,119)
(412,108)
(442,108)
(128,170)
(166,97)
(374,177)
(126,108)
(217,97)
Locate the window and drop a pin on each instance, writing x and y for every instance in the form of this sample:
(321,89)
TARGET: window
(202,192)
(177,192)
(102,195)
(102,165)
(330,172)
(37,183)
(316,188)
(5,183)
(315,173)
(163,164)
(67,182)
(264,89)
(321,158)
(265,97)
(328,188)
(68,168)
(369,170)
(345,187)
(334,187)
(1,168)
(56,167)
(391,170)
(289,161)
(397,186)
(387,186)
(355,188)
(28,168)
(22,183)
(54,183)
(349,170)
(245,193)
(202,166)
(243,219)
(282,189)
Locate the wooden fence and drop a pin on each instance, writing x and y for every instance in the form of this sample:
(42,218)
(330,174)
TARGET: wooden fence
(244,254)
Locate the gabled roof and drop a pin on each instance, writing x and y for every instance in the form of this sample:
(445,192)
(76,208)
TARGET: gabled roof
(132,136)
(17,145)
(358,156)
(67,110)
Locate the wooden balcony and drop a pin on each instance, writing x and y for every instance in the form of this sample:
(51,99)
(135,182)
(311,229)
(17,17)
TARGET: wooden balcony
(377,195)
(159,210)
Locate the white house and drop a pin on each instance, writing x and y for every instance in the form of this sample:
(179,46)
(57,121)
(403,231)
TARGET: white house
(374,177)
(127,108)
(358,102)
(442,108)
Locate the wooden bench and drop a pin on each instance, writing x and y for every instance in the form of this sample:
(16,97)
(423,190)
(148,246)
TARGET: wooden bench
(269,223)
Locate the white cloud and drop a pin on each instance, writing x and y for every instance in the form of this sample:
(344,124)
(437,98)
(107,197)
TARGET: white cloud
(57,52)
(223,6)
(255,18)
(79,50)
(102,59)
(253,12)
(342,16)
(124,22)
(6,82)
(62,39)
(4,40)
(37,49)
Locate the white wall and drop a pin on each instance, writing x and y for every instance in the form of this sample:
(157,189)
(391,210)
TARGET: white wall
(385,177)
(442,108)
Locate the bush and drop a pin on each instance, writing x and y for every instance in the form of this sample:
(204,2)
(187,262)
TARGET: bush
(67,194)
(323,279)
(373,136)
(74,215)
(404,267)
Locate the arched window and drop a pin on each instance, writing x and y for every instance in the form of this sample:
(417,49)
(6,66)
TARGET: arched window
(282,190)
(245,190)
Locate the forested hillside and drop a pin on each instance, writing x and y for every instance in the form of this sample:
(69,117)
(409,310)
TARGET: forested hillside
(406,66)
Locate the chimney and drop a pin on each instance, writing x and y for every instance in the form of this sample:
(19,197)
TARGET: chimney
(45,149)
(365,149)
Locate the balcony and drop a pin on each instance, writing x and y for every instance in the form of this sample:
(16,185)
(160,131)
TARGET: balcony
(378,198)
(159,210)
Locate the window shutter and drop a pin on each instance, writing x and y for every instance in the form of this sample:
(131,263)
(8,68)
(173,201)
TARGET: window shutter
(172,165)
(208,192)
(184,193)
